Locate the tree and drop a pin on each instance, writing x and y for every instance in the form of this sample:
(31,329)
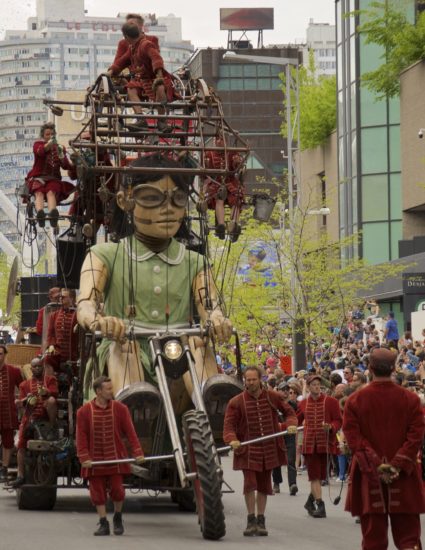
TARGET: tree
(306,284)
(4,282)
(317,104)
(402,42)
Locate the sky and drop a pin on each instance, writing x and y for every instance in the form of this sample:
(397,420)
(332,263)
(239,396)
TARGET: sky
(200,18)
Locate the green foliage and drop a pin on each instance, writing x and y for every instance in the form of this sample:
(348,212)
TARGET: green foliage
(5,267)
(402,42)
(317,105)
(319,293)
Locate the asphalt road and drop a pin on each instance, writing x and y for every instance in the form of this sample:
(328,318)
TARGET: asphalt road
(155,523)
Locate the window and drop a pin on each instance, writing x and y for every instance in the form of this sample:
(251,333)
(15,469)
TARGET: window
(263,70)
(370,56)
(396,197)
(224,71)
(375,242)
(395,165)
(375,198)
(396,235)
(373,112)
(250,70)
(374,150)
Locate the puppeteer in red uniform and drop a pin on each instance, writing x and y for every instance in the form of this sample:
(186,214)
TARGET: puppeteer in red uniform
(144,60)
(252,414)
(38,398)
(62,339)
(101,426)
(10,378)
(220,190)
(384,428)
(322,420)
(44,180)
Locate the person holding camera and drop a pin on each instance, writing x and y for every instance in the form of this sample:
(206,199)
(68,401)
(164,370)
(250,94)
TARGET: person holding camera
(44,180)
(38,398)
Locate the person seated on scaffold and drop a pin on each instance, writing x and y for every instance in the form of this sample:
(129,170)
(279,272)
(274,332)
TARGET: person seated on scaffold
(149,79)
(221,191)
(44,180)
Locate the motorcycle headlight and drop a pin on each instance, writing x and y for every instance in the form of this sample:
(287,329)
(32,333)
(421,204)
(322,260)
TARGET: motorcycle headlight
(173,350)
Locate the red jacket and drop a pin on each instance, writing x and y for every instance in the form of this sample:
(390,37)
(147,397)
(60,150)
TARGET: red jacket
(383,422)
(123,47)
(142,58)
(314,413)
(247,418)
(61,335)
(31,387)
(10,378)
(100,436)
(48,163)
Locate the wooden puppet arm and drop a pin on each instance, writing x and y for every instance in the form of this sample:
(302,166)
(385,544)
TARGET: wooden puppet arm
(93,281)
(211,312)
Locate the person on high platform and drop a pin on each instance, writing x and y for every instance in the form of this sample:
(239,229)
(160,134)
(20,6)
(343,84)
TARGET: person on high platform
(384,429)
(38,397)
(44,180)
(101,426)
(251,414)
(10,378)
(149,79)
(124,46)
(229,190)
(62,339)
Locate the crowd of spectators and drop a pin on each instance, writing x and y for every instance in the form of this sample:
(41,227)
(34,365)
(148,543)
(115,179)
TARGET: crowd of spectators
(343,364)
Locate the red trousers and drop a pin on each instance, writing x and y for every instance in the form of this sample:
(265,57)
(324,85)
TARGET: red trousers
(257,481)
(7,438)
(316,466)
(102,486)
(406,530)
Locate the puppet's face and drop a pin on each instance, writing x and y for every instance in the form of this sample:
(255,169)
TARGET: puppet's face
(159,208)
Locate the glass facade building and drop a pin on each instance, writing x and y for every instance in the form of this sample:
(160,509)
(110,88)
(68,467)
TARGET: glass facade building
(369,172)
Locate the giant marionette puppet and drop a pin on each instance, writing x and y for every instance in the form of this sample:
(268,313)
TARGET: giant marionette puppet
(150,279)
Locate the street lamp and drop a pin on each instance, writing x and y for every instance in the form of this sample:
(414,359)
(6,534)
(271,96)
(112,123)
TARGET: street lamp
(298,357)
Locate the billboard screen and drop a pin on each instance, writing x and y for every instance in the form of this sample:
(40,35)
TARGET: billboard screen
(246,19)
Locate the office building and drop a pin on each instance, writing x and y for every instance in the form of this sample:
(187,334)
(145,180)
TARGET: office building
(321,41)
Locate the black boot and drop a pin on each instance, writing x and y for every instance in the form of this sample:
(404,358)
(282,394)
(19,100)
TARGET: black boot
(118,525)
(220,231)
(163,127)
(19,481)
(320,511)
(41,218)
(3,474)
(139,126)
(251,526)
(293,489)
(54,217)
(309,505)
(261,526)
(103,529)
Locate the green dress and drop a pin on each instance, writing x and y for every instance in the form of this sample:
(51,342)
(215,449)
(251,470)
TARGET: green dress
(158,280)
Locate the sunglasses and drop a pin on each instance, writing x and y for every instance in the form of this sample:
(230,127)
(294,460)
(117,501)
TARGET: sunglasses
(152,197)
